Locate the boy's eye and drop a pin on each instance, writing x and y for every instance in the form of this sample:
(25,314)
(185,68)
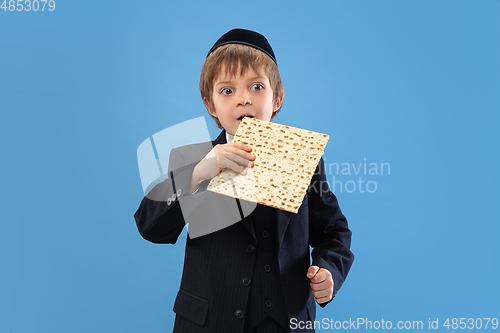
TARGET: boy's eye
(257,87)
(227,91)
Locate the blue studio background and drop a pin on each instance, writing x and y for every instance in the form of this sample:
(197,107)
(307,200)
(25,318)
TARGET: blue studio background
(407,87)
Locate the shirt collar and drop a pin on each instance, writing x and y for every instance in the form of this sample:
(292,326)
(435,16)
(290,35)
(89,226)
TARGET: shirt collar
(229,137)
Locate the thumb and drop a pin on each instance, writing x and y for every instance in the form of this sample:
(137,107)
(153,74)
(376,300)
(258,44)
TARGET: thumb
(311,272)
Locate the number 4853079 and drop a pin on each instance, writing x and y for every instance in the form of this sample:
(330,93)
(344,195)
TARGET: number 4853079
(27,5)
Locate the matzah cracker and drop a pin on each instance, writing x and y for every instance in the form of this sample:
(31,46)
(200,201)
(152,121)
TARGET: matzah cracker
(285,160)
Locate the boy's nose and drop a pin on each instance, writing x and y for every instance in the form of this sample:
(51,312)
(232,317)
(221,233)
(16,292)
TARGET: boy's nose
(244,99)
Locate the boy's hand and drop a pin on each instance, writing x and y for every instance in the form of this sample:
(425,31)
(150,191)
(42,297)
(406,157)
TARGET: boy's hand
(321,284)
(231,156)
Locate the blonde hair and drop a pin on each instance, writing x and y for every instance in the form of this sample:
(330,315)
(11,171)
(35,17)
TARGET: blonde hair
(234,57)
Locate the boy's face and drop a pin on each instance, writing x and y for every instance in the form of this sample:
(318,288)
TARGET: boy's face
(249,95)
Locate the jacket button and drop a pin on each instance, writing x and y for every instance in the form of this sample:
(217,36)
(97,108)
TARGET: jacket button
(250,249)
(265,234)
(267,268)
(169,201)
(245,281)
(239,314)
(174,197)
(179,193)
(269,303)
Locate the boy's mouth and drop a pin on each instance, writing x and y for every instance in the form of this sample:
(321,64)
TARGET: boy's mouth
(245,115)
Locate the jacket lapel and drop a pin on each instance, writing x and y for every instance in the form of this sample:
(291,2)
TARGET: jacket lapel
(221,139)
(283,218)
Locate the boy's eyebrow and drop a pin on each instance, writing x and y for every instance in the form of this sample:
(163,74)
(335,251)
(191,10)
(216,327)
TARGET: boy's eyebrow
(223,82)
(259,77)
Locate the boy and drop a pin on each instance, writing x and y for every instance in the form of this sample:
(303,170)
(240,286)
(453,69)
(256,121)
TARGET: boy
(254,275)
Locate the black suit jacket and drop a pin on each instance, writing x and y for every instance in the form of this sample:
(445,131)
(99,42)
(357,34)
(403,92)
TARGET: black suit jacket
(211,296)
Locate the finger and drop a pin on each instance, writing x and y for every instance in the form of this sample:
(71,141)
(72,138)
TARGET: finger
(318,286)
(236,159)
(323,299)
(321,294)
(320,276)
(240,146)
(232,149)
(323,275)
(235,167)
(312,271)
(326,283)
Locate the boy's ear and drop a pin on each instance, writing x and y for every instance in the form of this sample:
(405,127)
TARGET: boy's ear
(279,103)
(207,105)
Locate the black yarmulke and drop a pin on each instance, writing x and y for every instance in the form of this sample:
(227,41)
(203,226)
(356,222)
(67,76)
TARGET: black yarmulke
(245,37)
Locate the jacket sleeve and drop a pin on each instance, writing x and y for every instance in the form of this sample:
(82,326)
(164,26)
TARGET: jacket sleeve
(329,234)
(159,218)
